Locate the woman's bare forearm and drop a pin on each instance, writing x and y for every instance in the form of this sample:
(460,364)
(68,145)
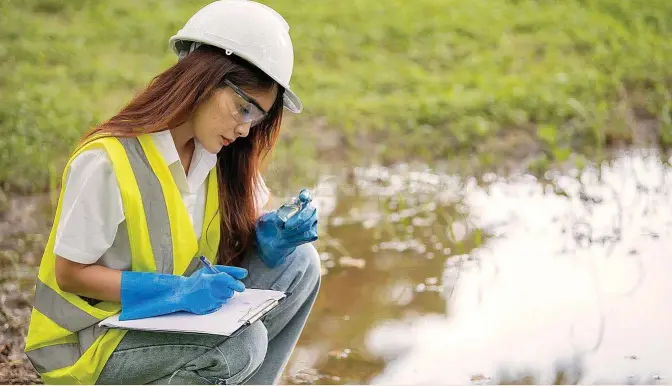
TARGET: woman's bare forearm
(92,281)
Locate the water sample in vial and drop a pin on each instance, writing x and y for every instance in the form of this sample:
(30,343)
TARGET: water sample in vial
(294,205)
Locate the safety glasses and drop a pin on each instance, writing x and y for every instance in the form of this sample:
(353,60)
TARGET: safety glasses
(247,110)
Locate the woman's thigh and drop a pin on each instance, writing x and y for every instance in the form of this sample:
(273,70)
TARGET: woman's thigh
(147,357)
(299,276)
(300,268)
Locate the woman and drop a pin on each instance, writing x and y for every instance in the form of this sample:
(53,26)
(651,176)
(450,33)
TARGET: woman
(131,223)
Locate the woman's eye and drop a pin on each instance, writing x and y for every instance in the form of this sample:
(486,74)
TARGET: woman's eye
(244,110)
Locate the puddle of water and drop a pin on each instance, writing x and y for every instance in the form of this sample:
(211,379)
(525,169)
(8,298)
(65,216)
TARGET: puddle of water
(441,279)
(432,278)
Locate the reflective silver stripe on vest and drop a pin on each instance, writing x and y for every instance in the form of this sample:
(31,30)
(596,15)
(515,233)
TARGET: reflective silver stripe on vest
(118,256)
(194,265)
(154,204)
(89,335)
(59,310)
(54,357)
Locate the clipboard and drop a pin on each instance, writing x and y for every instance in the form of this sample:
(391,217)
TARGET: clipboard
(258,313)
(241,311)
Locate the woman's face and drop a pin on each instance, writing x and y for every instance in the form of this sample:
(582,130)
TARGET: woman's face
(226,115)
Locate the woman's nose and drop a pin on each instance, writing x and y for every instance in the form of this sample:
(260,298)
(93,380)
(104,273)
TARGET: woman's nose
(242,130)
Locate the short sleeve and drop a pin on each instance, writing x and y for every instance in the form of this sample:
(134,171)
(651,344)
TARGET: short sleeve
(262,194)
(91,209)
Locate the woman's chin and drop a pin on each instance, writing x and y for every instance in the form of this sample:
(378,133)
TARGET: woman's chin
(214,145)
(213,148)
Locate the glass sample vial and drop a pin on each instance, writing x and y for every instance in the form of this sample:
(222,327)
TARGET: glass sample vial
(294,205)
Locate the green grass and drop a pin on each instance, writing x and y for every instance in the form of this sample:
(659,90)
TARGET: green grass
(432,78)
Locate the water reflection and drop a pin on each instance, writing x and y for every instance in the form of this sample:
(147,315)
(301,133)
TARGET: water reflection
(432,278)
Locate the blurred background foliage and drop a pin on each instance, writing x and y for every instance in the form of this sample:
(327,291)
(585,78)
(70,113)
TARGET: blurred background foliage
(387,80)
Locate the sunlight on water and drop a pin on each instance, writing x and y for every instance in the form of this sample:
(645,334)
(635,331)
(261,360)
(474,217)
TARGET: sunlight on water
(577,282)
(433,278)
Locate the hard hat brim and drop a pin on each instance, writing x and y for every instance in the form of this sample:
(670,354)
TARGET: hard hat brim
(290,100)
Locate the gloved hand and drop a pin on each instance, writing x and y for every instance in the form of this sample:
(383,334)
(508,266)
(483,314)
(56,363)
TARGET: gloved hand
(146,294)
(276,241)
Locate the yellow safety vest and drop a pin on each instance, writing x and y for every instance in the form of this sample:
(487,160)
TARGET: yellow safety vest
(64,342)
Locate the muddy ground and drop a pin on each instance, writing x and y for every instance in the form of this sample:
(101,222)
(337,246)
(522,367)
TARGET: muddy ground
(24,226)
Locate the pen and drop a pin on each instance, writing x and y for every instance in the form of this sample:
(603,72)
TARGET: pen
(207,264)
(212,269)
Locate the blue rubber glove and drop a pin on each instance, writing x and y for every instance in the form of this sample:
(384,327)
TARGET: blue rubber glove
(146,294)
(276,241)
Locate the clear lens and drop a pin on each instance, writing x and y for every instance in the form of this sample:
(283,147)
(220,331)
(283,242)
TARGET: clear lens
(247,112)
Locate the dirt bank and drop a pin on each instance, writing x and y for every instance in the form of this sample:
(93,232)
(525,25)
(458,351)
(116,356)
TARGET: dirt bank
(24,227)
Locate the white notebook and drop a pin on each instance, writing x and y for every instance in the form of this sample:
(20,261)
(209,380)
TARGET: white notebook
(243,309)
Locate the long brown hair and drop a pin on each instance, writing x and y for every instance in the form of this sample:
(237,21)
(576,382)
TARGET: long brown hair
(172,97)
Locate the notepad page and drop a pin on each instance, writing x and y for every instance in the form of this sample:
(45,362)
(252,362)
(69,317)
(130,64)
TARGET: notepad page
(224,321)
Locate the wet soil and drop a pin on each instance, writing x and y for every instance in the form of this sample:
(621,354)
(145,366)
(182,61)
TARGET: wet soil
(24,224)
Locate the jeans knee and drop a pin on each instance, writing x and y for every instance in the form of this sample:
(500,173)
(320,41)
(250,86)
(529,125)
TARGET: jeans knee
(308,256)
(243,354)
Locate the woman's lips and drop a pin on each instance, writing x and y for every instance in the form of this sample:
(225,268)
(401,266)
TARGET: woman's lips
(225,141)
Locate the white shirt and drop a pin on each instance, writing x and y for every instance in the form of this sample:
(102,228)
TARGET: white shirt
(92,208)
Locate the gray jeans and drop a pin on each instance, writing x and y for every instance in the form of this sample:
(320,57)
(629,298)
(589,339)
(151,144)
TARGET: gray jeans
(256,356)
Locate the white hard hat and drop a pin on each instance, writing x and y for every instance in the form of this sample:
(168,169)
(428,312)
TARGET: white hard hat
(248,29)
